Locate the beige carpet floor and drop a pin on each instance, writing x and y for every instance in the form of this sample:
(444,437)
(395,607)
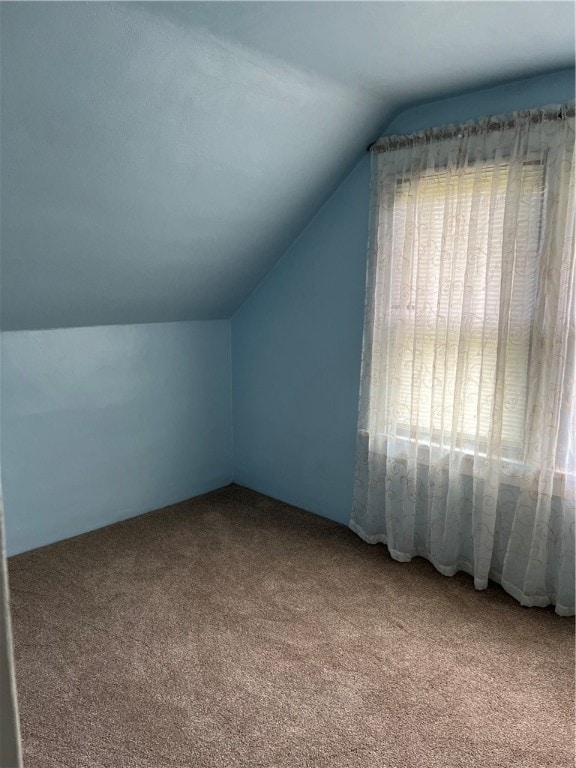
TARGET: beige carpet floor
(234,630)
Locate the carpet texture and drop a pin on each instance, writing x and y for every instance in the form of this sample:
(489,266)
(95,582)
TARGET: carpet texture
(234,630)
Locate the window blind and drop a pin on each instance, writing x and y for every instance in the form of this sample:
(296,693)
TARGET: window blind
(443,212)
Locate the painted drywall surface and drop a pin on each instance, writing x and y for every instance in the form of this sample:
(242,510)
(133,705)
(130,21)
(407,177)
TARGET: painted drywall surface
(297,340)
(152,172)
(295,352)
(552,88)
(158,158)
(372,44)
(100,424)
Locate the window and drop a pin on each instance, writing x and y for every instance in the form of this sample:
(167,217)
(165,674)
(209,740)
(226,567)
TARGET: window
(466,449)
(447,308)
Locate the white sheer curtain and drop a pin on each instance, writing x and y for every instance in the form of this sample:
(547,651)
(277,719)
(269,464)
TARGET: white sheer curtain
(466,436)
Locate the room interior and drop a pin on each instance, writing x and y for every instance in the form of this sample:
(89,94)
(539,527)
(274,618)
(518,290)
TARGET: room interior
(185,200)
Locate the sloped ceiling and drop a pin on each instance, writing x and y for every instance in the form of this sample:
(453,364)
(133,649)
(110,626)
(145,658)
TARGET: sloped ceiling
(158,158)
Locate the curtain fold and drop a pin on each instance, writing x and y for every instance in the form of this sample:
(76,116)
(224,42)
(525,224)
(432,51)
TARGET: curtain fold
(466,434)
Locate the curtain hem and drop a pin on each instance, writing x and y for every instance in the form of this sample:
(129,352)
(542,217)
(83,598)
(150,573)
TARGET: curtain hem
(526,601)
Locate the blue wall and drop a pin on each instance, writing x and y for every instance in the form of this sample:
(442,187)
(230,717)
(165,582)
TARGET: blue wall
(296,342)
(99,424)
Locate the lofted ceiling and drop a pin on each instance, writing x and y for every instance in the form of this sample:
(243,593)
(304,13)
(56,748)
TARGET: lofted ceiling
(158,158)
